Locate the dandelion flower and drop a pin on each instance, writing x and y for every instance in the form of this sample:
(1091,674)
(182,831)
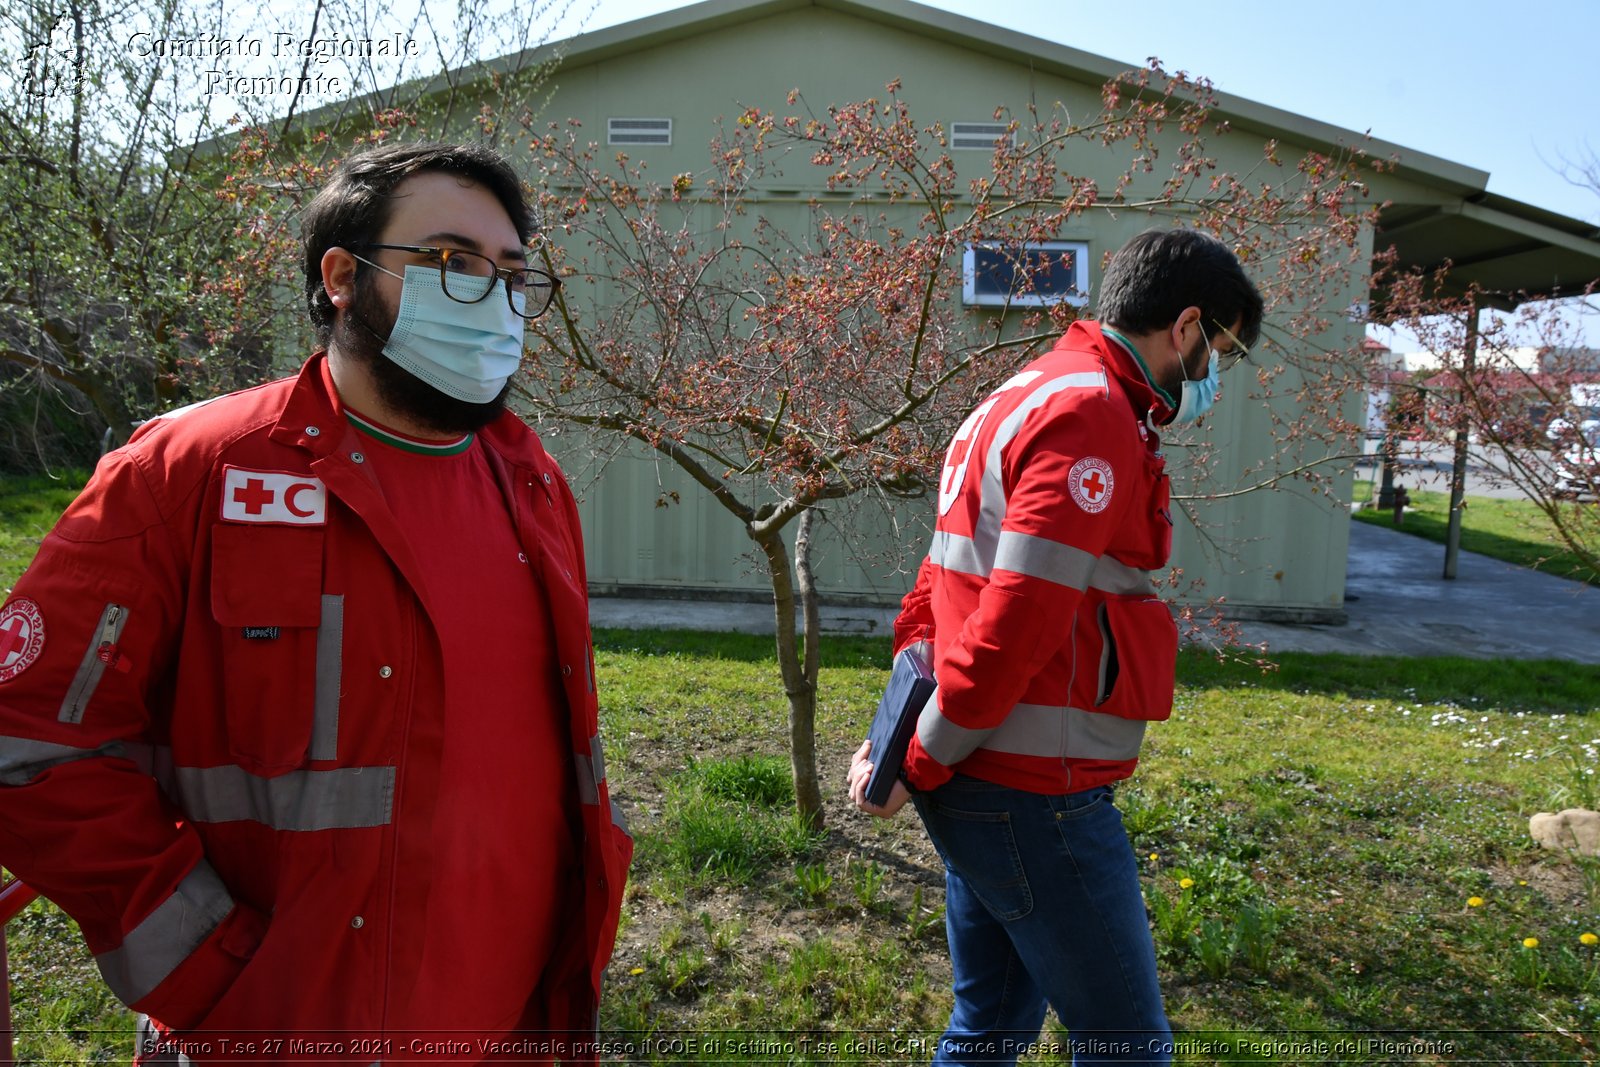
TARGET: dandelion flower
(637,970)
(1530,942)
(1153,856)
(1588,939)
(1474,902)
(1185,883)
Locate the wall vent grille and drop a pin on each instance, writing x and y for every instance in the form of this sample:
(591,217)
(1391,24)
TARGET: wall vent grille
(638,131)
(980,136)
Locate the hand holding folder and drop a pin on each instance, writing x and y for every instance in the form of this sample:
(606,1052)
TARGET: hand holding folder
(910,684)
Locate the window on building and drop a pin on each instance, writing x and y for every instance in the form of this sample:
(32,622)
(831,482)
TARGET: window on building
(997,274)
(980,136)
(638,131)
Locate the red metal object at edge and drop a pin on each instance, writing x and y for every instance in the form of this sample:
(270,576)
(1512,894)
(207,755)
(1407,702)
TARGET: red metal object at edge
(14,896)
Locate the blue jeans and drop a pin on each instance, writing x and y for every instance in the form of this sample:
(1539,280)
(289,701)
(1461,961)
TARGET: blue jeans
(1042,905)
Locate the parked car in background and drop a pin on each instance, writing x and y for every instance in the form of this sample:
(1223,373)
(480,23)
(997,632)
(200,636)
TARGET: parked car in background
(1577,457)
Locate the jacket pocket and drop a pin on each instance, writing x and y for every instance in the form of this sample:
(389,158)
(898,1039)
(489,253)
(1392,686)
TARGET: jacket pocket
(1138,658)
(266,597)
(1161,519)
(102,653)
(1145,540)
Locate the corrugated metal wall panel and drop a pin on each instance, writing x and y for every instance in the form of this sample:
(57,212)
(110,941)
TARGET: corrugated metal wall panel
(861,551)
(1284,551)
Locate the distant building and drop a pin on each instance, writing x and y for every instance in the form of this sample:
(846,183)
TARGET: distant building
(655,86)
(1558,360)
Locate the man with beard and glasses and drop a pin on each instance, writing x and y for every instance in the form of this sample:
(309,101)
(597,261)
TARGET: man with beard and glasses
(297,704)
(1052,652)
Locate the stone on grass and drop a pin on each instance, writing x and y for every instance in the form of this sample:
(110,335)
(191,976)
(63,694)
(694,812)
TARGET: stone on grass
(1572,830)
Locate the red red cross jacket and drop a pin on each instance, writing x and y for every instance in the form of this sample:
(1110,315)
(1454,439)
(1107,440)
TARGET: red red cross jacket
(207,725)
(1051,649)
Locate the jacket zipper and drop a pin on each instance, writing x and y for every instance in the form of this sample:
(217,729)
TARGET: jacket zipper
(417,615)
(102,653)
(1108,649)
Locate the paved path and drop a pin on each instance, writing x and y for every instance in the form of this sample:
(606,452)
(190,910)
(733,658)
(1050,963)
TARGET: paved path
(1397,605)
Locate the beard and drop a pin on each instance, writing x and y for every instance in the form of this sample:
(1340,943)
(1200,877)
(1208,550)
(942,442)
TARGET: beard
(357,335)
(1200,354)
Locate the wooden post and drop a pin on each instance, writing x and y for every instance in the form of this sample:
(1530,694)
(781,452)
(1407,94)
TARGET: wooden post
(14,896)
(1458,470)
(1388,459)
(6,1058)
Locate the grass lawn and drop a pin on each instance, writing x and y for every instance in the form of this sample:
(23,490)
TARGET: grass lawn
(1330,850)
(1512,530)
(1335,856)
(1312,841)
(28,508)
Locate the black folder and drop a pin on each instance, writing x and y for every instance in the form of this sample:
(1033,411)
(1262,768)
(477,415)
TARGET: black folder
(910,684)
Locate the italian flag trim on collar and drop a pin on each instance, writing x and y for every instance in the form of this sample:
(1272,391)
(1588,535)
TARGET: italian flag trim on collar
(1134,352)
(405,443)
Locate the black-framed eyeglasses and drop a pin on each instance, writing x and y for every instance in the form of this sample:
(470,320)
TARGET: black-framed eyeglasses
(1228,360)
(537,288)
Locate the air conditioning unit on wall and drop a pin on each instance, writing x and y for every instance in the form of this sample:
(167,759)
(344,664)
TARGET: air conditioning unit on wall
(1033,274)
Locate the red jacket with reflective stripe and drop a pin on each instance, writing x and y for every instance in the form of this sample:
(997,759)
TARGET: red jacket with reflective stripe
(203,761)
(1051,649)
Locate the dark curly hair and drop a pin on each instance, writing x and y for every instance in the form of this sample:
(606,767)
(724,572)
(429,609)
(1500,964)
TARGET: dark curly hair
(354,206)
(1156,275)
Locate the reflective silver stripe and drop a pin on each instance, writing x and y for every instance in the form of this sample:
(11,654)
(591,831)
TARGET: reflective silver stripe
(339,799)
(591,772)
(1110,576)
(330,671)
(166,937)
(954,552)
(23,759)
(162,1053)
(1033,730)
(588,790)
(106,633)
(1040,557)
(992,494)
(1069,733)
(619,819)
(156,761)
(943,739)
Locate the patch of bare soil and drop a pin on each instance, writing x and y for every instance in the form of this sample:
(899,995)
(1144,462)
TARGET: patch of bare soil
(772,914)
(1555,877)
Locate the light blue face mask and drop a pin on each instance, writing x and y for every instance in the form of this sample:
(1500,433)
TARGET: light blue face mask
(1198,397)
(468,351)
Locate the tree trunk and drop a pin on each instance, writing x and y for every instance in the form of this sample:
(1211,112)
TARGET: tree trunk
(1458,467)
(799,682)
(811,636)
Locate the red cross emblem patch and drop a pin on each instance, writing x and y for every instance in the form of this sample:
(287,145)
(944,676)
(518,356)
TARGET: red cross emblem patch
(21,637)
(273,497)
(1090,482)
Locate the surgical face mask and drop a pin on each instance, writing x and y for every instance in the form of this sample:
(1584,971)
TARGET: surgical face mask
(1198,397)
(468,351)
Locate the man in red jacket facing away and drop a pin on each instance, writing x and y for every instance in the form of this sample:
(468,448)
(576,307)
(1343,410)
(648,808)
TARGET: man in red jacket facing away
(297,704)
(1052,652)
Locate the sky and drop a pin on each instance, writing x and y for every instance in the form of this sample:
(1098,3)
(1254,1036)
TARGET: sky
(1465,80)
(1502,88)
(1507,89)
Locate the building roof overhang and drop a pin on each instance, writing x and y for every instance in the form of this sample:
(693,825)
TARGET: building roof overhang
(1511,251)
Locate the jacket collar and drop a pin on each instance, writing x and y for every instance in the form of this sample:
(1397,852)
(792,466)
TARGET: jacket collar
(1123,360)
(313,419)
